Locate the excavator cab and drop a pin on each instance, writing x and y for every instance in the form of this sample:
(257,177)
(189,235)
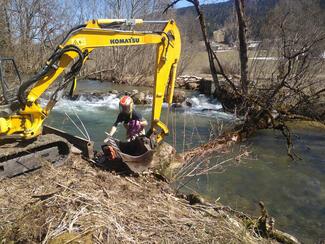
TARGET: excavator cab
(10,80)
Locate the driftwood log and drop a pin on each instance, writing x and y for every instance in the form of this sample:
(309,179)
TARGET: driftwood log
(265,228)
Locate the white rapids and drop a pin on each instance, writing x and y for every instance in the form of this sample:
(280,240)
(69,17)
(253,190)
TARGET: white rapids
(195,104)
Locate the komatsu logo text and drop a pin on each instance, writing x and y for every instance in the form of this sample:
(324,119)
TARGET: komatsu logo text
(125,40)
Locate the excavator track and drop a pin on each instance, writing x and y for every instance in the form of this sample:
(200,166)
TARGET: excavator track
(18,157)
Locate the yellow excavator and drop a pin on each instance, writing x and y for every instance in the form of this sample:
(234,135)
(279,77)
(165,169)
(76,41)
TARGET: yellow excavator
(25,142)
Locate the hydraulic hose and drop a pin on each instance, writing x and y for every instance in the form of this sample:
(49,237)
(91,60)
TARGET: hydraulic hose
(67,36)
(54,58)
(115,24)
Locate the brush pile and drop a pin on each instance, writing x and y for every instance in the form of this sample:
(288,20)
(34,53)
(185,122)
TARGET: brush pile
(78,203)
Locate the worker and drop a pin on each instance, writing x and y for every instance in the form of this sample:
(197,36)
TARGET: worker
(133,122)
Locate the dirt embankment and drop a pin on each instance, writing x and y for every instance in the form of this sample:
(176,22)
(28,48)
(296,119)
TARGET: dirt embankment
(78,203)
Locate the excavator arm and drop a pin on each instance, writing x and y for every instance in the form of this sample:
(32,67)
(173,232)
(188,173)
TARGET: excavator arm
(26,122)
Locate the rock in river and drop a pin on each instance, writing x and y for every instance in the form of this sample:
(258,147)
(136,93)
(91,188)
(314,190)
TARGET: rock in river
(179,96)
(139,98)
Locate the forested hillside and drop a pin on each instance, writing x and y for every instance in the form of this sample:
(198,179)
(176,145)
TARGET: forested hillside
(222,15)
(31,37)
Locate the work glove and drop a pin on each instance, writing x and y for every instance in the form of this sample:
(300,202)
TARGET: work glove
(108,138)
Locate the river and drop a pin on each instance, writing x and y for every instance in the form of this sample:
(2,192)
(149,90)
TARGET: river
(293,191)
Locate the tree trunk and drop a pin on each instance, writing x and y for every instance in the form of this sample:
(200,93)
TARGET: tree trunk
(8,26)
(207,45)
(242,29)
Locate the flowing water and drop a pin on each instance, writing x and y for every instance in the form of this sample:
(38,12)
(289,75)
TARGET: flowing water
(191,125)
(293,191)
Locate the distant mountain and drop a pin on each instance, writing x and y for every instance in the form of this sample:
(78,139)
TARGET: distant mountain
(218,14)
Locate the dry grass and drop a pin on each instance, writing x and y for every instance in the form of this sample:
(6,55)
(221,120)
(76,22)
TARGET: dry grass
(230,62)
(200,63)
(77,203)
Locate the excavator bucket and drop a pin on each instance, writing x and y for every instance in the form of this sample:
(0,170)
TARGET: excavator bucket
(135,156)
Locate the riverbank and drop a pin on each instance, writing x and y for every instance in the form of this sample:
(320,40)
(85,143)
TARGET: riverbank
(80,203)
(269,175)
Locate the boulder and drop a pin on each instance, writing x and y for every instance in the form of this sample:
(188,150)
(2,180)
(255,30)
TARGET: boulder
(133,92)
(192,86)
(114,92)
(97,94)
(189,82)
(72,98)
(139,98)
(189,102)
(179,96)
(166,160)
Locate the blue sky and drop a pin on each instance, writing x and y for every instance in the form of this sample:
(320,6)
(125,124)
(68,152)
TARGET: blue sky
(184,3)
